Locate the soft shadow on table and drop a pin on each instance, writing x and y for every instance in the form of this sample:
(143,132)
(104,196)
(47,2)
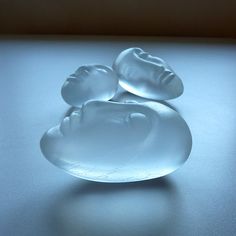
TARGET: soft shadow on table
(94,209)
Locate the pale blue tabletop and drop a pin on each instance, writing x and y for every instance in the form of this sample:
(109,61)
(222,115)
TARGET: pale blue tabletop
(37,198)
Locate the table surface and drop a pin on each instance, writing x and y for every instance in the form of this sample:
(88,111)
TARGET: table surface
(37,198)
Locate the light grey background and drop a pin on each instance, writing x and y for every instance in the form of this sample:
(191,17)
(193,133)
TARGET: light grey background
(36,198)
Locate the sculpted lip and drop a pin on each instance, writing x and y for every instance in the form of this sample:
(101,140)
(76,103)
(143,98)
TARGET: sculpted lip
(166,77)
(83,71)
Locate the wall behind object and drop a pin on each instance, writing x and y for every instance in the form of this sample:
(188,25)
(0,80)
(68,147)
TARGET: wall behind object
(119,17)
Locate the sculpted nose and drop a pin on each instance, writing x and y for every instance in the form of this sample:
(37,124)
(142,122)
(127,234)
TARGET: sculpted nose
(83,70)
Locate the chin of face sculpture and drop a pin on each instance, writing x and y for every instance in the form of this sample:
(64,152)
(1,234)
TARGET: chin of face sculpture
(116,142)
(147,76)
(88,83)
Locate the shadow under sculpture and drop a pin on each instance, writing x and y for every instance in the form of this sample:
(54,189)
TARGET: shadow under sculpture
(135,209)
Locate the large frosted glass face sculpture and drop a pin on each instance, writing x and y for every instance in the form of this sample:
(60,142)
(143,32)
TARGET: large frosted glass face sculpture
(92,82)
(147,76)
(116,142)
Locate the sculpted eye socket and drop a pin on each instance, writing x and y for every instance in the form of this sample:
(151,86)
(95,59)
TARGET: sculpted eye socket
(160,70)
(72,79)
(83,70)
(135,118)
(144,55)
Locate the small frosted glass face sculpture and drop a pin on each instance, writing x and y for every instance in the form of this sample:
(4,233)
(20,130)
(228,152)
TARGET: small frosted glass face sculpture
(92,82)
(116,142)
(147,76)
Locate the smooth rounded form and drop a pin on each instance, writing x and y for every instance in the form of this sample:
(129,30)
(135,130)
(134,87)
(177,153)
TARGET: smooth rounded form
(147,76)
(115,142)
(88,83)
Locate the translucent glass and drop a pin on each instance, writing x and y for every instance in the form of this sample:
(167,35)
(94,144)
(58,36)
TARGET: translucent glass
(147,76)
(117,142)
(123,96)
(88,83)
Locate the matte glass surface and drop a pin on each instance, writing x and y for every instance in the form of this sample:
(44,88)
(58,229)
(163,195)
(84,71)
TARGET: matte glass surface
(147,76)
(38,199)
(117,142)
(88,83)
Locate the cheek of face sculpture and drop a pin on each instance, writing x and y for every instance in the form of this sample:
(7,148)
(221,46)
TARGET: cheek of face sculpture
(115,142)
(88,83)
(147,76)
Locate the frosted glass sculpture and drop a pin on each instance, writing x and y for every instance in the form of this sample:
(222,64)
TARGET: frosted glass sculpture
(88,83)
(117,142)
(147,76)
